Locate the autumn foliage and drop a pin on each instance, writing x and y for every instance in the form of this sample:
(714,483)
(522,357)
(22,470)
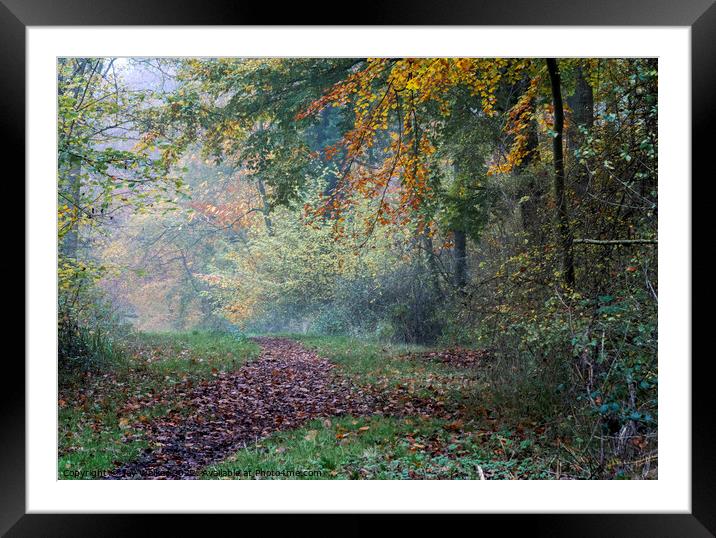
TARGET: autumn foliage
(503,210)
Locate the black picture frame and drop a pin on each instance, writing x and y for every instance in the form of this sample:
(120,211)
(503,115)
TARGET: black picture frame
(700,15)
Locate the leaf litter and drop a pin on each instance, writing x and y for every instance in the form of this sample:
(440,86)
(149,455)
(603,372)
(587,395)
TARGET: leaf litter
(285,387)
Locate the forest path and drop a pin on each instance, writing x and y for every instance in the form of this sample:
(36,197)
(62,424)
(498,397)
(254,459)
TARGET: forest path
(286,386)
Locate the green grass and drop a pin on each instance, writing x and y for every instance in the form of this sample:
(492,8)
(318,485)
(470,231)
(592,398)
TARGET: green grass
(384,364)
(382,448)
(392,447)
(95,433)
(195,353)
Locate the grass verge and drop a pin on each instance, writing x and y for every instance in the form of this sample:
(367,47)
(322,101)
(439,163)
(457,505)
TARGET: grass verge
(384,448)
(95,415)
(388,366)
(479,441)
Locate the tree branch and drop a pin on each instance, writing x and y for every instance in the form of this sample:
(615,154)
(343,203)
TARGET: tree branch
(616,241)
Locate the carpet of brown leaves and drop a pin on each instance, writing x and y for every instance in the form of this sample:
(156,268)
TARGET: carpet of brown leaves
(285,387)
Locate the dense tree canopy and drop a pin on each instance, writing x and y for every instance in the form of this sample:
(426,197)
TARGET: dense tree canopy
(509,204)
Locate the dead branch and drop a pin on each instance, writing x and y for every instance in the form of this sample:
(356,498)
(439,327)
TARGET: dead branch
(616,241)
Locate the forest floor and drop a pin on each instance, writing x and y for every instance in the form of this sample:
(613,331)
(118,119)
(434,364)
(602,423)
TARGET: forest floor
(210,406)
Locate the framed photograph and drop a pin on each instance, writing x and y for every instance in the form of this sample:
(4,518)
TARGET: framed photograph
(408,264)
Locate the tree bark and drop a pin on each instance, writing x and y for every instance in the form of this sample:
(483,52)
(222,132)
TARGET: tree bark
(582,105)
(72,195)
(460,252)
(562,216)
(460,248)
(266,210)
(532,191)
(431,264)
(73,188)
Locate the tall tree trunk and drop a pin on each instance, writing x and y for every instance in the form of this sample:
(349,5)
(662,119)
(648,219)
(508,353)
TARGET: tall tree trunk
(431,264)
(72,197)
(460,252)
(582,105)
(533,189)
(460,248)
(72,191)
(562,216)
(266,209)
(266,206)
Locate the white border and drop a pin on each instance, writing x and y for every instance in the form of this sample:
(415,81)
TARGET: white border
(671,492)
